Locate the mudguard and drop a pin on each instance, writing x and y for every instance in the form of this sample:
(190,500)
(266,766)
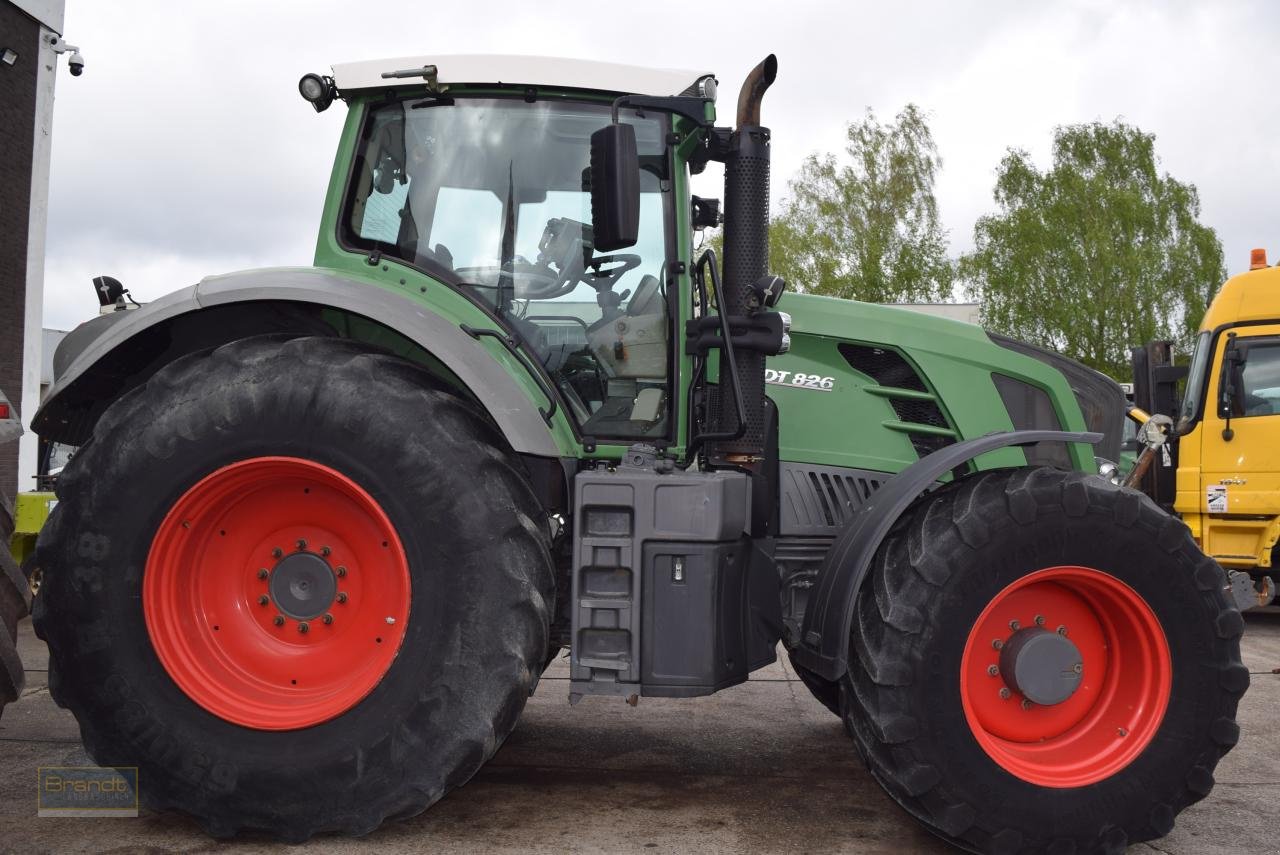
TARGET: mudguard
(824,636)
(493,386)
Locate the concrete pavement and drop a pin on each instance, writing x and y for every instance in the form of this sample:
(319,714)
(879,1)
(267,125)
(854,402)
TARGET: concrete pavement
(761,767)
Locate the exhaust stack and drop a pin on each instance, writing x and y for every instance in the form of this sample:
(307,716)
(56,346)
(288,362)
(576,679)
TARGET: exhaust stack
(746,259)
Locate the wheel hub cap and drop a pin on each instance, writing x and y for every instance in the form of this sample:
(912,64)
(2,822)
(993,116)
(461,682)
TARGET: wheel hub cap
(1065,676)
(303,586)
(254,625)
(1046,668)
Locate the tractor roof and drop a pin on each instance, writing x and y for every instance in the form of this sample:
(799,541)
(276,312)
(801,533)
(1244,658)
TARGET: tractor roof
(522,70)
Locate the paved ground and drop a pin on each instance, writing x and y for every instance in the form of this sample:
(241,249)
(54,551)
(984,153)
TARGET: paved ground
(758,768)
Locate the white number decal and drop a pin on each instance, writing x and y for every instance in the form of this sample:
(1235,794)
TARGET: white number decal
(799,380)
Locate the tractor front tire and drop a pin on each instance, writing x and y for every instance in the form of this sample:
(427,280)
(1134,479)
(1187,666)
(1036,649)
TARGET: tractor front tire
(298,585)
(1043,662)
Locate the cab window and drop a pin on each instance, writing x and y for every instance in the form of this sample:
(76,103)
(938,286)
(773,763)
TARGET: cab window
(1260,379)
(491,196)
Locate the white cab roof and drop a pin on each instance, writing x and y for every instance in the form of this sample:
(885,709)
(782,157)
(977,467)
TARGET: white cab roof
(521,70)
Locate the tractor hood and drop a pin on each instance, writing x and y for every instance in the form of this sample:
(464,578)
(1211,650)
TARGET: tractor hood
(931,381)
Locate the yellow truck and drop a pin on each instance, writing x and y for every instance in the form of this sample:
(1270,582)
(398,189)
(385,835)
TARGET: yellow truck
(1220,468)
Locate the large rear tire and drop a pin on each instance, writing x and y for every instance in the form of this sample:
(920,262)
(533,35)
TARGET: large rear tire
(1105,586)
(298,585)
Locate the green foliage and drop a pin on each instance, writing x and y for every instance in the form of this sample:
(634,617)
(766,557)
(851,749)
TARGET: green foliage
(867,229)
(1098,254)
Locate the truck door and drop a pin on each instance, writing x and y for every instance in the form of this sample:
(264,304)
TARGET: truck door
(1240,480)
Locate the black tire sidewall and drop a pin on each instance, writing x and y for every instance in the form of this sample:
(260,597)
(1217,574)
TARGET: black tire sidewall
(433,491)
(1166,582)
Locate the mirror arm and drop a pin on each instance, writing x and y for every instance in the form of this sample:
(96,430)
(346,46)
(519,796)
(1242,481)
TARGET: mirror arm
(1230,359)
(693,109)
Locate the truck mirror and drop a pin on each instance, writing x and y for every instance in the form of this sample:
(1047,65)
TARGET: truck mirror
(615,187)
(1231,383)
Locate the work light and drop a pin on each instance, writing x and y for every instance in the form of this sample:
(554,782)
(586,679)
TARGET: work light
(317,90)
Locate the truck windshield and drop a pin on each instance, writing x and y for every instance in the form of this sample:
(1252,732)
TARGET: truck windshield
(492,196)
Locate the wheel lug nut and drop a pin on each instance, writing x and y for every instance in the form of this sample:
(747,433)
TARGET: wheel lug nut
(279,620)
(993,670)
(1014,625)
(1026,704)
(1078,667)
(263,600)
(263,572)
(1039,620)
(1004,694)
(328,618)
(341,571)
(304,627)
(342,596)
(997,643)
(302,544)
(277,552)
(324,550)
(1062,630)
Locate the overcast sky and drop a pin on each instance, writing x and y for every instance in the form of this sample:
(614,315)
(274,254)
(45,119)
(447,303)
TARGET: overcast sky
(184,149)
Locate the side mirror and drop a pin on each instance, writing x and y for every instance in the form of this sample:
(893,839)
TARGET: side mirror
(1230,381)
(615,187)
(1231,385)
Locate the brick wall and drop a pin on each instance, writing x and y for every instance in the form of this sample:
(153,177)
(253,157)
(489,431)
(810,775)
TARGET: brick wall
(17,133)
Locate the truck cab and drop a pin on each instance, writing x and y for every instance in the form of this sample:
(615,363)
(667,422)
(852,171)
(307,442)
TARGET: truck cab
(1228,427)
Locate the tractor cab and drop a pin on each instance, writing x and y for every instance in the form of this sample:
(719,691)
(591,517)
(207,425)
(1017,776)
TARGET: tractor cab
(453,185)
(485,186)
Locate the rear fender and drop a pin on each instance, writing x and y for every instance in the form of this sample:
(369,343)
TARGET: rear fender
(824,636)
(104,358)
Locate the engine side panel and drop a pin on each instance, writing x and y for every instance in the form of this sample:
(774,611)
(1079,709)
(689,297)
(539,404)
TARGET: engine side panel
(874,387)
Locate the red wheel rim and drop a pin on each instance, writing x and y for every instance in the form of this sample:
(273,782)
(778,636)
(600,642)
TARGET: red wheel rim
(1122,693)
(273,527)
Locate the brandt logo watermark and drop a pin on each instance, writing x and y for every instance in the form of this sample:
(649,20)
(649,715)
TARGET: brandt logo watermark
(87,791)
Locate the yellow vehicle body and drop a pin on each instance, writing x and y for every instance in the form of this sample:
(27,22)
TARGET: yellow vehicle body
(1228,476)
(29,514)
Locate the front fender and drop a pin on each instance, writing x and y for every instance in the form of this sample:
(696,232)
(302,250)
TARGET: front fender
(824,636)
(85,360)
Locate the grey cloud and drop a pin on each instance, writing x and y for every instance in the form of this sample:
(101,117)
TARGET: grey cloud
(185,149)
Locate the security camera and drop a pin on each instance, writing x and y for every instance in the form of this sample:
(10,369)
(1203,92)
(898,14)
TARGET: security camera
(75,62)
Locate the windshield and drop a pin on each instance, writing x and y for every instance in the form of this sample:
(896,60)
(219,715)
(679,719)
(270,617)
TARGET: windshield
(1196,379)
(492,196)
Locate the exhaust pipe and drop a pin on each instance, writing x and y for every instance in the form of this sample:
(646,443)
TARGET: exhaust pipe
(758,80)
(746,259)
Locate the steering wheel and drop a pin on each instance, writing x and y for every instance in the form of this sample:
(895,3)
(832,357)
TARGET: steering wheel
(604,270)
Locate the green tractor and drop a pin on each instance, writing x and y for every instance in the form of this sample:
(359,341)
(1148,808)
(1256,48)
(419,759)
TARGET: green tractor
(326,526)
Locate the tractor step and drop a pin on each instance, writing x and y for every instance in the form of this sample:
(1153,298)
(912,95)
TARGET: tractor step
(666,551)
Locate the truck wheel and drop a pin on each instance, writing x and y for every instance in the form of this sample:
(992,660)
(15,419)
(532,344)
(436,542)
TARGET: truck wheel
(1043,661)
(297,585)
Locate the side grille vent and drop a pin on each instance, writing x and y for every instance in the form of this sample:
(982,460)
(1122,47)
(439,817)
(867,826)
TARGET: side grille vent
(886,367)
(892,372)
(821,499)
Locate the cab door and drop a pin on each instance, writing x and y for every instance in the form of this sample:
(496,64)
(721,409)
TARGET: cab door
(1240,471)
